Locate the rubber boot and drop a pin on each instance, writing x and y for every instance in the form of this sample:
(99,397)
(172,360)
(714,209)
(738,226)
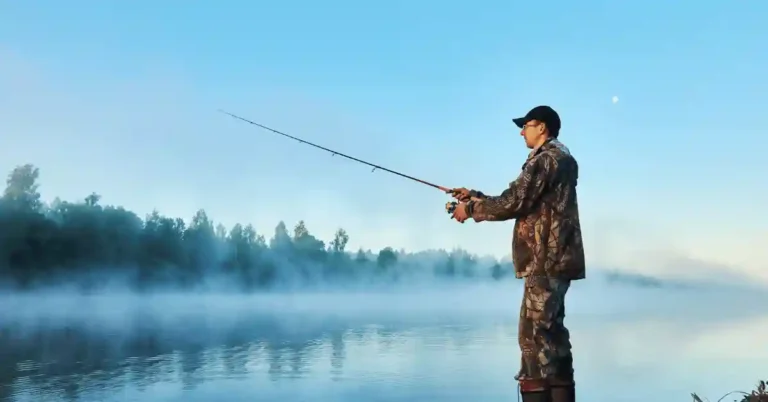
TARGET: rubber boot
(536,396)
(535,391)
(563,394)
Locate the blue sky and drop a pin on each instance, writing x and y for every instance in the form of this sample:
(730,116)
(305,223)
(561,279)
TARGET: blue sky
(120,98)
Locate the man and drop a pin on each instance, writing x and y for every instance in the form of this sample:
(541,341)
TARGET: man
(547,251)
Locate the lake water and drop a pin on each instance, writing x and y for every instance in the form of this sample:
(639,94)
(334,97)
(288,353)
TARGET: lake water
(447,344)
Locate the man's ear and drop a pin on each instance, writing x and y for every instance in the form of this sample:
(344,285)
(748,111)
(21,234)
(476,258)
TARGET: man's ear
(542,128)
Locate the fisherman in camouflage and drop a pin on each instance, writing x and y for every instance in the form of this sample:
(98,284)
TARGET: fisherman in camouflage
(547,252)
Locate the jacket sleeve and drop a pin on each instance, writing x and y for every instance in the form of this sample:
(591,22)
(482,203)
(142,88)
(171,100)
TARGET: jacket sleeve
(521,197)
(480,195)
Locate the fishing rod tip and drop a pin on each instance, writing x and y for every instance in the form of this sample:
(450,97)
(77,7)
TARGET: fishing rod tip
(226,113)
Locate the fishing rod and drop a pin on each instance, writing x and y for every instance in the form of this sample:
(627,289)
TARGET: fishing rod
(334,153)
(449,207)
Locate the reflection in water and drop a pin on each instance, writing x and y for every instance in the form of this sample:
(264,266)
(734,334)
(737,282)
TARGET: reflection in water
(229,353)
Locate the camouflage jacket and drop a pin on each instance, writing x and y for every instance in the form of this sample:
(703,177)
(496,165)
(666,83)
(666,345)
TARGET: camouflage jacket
(547,239)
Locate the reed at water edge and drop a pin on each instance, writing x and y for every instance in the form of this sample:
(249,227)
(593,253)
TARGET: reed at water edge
(760,394)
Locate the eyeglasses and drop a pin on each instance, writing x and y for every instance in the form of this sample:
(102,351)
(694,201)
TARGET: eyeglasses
(525,126)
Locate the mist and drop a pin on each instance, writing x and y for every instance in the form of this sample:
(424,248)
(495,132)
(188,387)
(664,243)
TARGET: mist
(101,304)
(448,342)
(85,247)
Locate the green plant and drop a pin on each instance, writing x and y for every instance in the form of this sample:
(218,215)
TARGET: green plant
(760,394)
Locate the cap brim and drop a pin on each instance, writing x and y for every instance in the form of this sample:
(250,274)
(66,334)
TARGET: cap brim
(520,121)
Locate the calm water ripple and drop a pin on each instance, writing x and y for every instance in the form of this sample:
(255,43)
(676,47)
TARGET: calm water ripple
(173,351)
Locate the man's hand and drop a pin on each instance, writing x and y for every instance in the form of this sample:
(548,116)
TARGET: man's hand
(460,212)
(461,194)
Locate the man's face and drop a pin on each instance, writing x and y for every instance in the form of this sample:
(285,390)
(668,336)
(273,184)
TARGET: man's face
(534,133)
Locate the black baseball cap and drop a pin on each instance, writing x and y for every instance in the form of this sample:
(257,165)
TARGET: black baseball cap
(544,114)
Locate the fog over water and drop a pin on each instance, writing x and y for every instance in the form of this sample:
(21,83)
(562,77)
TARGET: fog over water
(99,304)
(442,342)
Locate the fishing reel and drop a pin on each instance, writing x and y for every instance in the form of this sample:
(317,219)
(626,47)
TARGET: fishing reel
(450,207)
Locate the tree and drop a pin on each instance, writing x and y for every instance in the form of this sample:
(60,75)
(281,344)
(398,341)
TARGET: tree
(221,231)
(81,241)
(281,240)
(201,223)
(450,265)
(300,231)
(496,272)
(251,237)
(92,200)
(467,263)
(21,189)
(306,244)
(339,242)
(386,258)
(361,258)
(199,241)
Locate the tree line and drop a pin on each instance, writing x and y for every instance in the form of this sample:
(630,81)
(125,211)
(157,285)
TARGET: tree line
(89,244)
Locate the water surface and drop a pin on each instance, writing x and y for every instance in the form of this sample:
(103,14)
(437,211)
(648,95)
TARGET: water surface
(449,344)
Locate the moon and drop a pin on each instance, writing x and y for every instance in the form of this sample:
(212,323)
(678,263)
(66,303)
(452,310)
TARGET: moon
(615,99)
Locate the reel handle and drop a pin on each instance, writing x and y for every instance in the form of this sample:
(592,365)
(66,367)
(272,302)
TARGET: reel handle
(450,206)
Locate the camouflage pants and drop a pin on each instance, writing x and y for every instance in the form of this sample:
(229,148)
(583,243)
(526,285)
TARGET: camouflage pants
(544,341)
